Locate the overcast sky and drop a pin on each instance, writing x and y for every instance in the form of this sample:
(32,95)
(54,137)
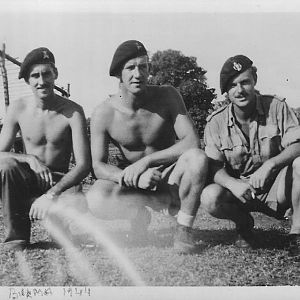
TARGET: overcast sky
(83,36)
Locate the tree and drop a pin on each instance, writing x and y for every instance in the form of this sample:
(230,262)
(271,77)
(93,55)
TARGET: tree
(173,68)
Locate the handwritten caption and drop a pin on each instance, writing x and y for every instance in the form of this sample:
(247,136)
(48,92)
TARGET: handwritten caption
(16,293)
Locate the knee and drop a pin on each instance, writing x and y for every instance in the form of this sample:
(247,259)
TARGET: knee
(98,194)
(8,164)
(296,166)
(210,198)
(195,161)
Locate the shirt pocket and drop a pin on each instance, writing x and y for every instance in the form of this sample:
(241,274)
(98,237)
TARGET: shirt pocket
(270,141)
(234,151)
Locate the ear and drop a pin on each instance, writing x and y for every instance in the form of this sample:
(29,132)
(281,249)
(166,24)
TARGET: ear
(119,76)
(149,67)
(55,72)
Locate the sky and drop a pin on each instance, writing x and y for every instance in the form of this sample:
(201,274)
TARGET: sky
(83,36)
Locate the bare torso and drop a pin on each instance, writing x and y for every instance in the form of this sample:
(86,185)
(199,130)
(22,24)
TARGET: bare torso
(148,129)
(46,132)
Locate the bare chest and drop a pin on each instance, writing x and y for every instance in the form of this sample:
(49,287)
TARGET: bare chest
(142,129)
(44,129)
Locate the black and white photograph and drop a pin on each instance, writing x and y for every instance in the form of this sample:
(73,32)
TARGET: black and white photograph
(149,149)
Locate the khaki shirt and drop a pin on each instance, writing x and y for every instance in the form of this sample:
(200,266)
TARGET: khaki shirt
(274,127)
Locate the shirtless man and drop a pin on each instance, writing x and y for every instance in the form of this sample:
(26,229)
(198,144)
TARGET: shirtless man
(51,127)
(143,122)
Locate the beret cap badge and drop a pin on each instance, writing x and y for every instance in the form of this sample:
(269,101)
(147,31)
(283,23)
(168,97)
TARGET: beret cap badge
(41,55)
(126,51)
(237,66)
(45,54)
(232,67)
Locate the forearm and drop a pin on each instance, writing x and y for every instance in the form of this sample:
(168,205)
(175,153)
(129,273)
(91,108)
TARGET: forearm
(285,158)
(72,178)
(220,175)
(18,156)
(107,172)
(171,154)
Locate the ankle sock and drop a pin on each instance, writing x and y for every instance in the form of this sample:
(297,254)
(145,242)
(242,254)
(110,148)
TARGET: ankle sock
(185,219)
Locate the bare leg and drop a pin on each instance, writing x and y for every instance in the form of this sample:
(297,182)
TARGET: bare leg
(107,200)
(189,177)
(221,204)
(295,228)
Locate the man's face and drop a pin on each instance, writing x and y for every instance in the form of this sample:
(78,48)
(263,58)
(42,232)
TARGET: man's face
(41,80)
(135,74)
(241,91)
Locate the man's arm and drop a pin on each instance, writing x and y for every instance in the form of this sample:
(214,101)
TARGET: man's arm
(290,130)
(240,189)
(274,164)
(100,145)
(184,129)
(9,132)
(217,172)
(81,152)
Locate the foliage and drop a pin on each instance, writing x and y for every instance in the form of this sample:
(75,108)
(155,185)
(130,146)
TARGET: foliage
(217,104)
(173,68)
(297,112)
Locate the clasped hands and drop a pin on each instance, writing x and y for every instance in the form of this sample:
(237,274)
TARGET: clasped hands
(139,175)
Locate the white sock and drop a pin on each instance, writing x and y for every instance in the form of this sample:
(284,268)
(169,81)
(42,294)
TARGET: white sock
(185,219)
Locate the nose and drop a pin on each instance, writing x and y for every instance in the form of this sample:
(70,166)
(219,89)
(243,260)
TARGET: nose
(137,72)
(41,80)
(239,87)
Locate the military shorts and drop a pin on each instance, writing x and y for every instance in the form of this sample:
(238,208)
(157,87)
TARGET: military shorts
(266,201)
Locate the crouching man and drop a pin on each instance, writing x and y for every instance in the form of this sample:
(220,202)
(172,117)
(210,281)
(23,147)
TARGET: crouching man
(143,122)
(254,146)
(51,128)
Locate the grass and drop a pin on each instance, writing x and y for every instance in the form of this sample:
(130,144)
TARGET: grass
(218,263)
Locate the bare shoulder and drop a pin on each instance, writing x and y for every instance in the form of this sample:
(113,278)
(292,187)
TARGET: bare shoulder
(18,106)
(68,107)
(104,111)
(163,91)
(165,95)
(168,98)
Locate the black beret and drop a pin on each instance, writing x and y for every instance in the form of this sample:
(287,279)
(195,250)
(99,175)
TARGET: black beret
(126,51)
(40,55)
(231,68)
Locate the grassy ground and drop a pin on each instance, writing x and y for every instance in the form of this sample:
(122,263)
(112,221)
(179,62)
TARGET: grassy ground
(218,262)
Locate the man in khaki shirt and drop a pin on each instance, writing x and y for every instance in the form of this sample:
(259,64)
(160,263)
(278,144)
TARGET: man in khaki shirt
(254,146)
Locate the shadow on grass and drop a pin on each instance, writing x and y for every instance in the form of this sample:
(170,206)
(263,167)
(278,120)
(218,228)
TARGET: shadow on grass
(265,239)
(46,245)
(205,238)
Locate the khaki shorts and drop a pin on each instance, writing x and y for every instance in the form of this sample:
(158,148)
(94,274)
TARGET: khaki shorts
(170,205)
(267,199)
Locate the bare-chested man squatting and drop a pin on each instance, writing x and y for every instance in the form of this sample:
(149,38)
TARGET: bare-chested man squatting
(143,121)
(51,127)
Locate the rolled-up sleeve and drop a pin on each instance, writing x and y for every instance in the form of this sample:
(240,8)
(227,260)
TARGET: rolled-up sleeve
(290,126)
(212,142)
